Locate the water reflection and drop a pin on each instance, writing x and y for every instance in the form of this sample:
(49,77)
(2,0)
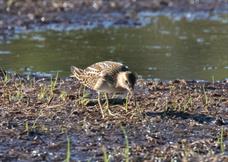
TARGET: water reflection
(165,49)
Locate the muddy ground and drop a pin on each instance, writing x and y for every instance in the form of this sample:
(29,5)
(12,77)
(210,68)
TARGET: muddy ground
(171,121)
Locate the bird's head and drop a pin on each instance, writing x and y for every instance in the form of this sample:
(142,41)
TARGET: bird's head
(126,80)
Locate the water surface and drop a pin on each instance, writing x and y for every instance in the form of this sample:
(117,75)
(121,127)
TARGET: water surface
(165,49)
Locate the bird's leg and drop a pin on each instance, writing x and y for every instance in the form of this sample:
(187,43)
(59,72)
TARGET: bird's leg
(127,100)
(107,101)
(107,106)
(99,103)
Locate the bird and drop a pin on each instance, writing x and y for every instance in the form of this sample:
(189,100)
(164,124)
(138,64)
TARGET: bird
(106,77)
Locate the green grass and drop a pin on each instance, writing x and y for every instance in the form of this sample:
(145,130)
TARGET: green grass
(126,152)
(166,104)
(186,105)
(126,149)
(127,101)
(47,91)
(83,96)
(15,95)
(220,140)
(42,93)
(205,99)
(36,120)
(68,153)
(6,78)
(84,99)
(63,95)
(53,84)
(106,157)
(19,93)
(26,126)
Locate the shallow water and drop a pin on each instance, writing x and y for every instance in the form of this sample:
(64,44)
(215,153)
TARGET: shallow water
(165,49)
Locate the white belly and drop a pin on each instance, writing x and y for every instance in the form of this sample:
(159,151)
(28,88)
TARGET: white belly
(107,87)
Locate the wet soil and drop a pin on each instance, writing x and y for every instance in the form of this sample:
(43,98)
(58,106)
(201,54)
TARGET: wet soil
(171,121)
(19,15)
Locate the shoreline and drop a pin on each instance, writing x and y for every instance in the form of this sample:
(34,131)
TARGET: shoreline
(73,15)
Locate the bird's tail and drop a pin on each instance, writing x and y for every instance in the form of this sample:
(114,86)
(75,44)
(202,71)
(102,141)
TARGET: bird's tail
(76,72)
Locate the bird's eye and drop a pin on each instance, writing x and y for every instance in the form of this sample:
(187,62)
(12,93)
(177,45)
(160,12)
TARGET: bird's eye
(126,81)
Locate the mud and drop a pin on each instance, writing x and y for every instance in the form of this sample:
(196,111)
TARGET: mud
(172,121)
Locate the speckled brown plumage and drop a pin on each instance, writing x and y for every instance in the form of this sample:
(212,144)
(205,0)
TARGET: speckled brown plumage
(106,77)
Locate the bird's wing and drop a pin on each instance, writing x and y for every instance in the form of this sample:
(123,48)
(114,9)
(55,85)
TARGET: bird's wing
(105,68)
(88,79)
(76,72)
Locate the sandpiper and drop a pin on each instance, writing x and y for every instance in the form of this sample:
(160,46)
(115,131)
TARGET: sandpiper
(107,77)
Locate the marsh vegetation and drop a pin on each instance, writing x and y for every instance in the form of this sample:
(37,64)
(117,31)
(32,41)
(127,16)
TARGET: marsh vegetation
(44,119)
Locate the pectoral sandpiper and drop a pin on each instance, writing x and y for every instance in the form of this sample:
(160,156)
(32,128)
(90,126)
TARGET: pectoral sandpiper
(106,77)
